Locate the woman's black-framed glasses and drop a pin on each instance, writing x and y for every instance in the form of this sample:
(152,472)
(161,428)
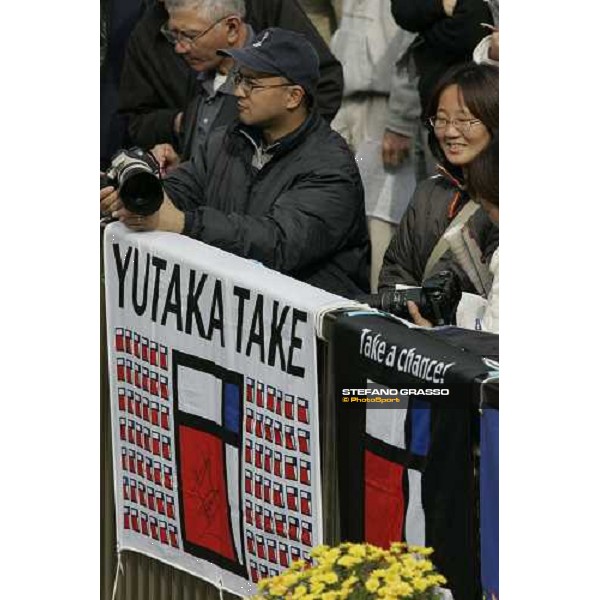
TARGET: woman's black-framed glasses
(463,125)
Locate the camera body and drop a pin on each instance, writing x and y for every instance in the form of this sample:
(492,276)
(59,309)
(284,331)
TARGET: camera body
(437,299)
(136,175)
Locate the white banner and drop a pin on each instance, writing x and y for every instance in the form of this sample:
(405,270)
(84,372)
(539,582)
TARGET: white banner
(213,379)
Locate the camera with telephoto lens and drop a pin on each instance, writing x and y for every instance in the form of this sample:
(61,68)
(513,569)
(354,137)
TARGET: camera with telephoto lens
(136,174)
(437,299)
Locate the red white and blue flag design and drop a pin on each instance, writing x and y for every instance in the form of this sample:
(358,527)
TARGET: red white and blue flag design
(407,468)
(214,404)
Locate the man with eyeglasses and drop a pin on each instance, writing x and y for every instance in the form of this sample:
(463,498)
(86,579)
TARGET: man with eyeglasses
(196,32)
(278,186)
(156,84)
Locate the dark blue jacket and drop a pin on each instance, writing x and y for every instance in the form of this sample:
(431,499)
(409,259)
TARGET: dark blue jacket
(302,214)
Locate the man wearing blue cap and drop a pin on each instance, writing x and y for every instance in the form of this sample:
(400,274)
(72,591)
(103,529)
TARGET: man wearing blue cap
(277,185)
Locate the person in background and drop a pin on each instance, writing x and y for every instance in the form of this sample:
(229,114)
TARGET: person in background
(157,84)
(484,184)
(223,26)
(462,116)
(323,16)
(488,49)
(117,20)
(448,31)
(277,186)
(369,45)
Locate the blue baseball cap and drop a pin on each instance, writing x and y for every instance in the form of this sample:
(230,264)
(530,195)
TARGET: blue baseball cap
(280,52)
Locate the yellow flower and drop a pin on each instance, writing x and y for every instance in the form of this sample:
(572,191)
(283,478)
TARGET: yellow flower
(348,583)
(404,589)
(357,550)
(372,584)
(420,584)
(319,550)
(277,590)
(331,555)
(316,586)
(348,561)
(300,591)
(375,553)
(263,583)
(420,550)
(437,579)
(378,573)
(398,573)
(289,580)
(329,577)
(424,565)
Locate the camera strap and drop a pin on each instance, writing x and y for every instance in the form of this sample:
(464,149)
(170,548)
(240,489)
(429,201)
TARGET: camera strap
(442,245)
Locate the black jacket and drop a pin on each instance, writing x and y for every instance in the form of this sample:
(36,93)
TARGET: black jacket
(302,214)
(156,83)
(434,205)
(443,41)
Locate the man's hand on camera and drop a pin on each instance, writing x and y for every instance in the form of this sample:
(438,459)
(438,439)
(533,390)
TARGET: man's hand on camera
(110,200)
(166,218)
(413,309)
(166,157)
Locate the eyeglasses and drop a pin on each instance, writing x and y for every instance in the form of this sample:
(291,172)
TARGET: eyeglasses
(463,125)
(248,86)
(174,37)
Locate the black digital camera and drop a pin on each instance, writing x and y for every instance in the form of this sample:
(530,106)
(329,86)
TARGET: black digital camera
(136,174)
(437,299)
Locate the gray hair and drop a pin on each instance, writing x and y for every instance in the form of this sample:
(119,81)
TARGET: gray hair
(211,10)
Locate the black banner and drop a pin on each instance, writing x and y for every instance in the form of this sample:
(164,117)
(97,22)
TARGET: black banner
(407,420)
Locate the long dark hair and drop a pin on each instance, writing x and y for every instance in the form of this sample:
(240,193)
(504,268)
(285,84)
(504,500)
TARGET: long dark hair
(483,173)
(479,86)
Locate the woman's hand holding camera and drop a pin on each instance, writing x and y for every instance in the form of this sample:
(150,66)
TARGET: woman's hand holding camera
(416,316)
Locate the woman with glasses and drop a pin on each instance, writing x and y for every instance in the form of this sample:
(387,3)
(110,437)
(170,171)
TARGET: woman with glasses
(462,113)
(468,243)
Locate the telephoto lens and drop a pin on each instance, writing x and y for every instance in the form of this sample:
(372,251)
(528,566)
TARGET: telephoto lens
(136,174)
(141,191)
(437,300)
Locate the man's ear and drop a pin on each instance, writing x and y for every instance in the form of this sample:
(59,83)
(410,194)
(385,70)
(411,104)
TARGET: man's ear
(295,97)
(233,25)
